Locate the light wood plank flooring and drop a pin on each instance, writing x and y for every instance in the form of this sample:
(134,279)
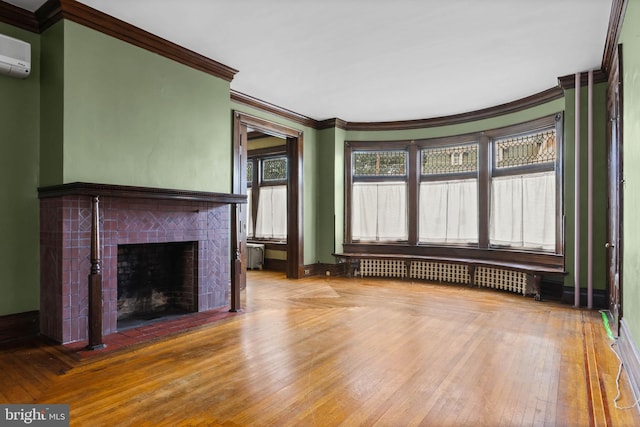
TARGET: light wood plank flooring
(352,352)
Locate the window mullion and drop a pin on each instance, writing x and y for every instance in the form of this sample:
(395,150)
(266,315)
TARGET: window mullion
(412,192)
(484,174)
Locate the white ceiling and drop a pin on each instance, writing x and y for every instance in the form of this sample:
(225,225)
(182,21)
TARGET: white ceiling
(381,60)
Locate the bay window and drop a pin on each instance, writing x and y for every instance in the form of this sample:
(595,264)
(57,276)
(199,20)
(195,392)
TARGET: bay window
(500,189)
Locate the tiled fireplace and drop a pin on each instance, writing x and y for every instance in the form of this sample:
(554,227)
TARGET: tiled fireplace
(127,216)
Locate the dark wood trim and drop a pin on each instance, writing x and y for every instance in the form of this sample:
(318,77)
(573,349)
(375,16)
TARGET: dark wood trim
(486,113)
(109,190)
(320,269)
(250,101)
(332,123)
(463,254)
(18,17)
(569,81)
(616,18)
(484,190)
(600,297)
(18,326)
(92,18)
(54,10)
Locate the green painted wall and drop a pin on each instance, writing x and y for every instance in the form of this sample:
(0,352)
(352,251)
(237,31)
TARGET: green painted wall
(19,164)
(630,40)
(132,117)
(310,175)
(52,106)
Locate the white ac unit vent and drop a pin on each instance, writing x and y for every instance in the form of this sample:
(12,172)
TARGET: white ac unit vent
(15,57)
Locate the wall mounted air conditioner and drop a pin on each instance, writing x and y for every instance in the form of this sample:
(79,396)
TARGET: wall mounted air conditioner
(15,57)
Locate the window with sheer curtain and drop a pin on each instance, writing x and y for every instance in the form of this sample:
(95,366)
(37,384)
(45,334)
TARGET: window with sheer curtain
(523,192)
(448,196)
(379,196)
(267,198)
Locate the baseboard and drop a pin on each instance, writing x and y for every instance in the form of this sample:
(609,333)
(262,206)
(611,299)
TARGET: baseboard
(600,297)
(630,359)
(20,325)
(320,269)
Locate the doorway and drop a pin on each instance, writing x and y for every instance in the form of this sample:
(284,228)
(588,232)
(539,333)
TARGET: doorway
(243,124)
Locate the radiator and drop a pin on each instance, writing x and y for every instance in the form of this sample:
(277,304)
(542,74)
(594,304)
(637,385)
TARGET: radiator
(440,272)
(508,280)
(383,268)
(255,256)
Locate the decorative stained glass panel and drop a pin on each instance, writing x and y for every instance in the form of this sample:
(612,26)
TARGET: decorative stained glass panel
(379,163)
(249,173)
(274,169)
(529,149)
(452,159)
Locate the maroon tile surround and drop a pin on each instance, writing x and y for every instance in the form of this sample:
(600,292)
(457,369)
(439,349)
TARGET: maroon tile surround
(65,227)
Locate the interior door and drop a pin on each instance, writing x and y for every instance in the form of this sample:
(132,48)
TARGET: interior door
(614,208)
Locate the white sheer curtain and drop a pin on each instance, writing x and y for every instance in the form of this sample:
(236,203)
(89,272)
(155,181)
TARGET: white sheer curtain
(523,211)
(249,214)
(379,211)
(271,222)
(448,211)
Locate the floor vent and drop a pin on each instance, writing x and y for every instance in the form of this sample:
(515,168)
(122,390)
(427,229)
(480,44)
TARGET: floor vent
(383,268)
(507,280)
(440,272)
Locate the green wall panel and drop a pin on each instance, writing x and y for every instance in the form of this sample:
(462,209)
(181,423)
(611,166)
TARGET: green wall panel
(630,40)
(19,164)
(132,117)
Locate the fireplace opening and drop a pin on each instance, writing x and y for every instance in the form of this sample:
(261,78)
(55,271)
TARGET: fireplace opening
(156,281)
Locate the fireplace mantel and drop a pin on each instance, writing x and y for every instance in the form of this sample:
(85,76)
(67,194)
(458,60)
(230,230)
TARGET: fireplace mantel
(128,215)
(126,191)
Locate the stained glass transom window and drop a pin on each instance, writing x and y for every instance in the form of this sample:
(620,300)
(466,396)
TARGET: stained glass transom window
(529,149)
(379,163)
(452,159)
(274,169)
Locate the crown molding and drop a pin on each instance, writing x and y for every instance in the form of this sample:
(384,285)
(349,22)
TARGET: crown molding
(18,17)
(616,18)
(486,113)
(54,10)
(569,81)
(250,101)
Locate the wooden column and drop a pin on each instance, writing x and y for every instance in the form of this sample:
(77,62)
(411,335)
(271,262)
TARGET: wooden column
(95,282)
(236,262)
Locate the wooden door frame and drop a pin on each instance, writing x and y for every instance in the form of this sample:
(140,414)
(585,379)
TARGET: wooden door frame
(294,138)
(615,113)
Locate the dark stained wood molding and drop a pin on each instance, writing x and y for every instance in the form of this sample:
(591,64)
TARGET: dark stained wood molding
(54,10)
(108,190)
(616,18)
(18,326)
(250,101)
(18,17)
(569,81)
(498,110)
(332,123)
(92,18)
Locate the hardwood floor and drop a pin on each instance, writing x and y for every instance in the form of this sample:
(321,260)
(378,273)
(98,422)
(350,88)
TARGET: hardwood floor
(353,352)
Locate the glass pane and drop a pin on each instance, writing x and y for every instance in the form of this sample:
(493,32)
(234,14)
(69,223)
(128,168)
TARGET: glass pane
(249,173)
(530,149)
(274,169)
(454,159)
(379,163)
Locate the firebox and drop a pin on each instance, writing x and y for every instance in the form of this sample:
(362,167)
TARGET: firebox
(155,281)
